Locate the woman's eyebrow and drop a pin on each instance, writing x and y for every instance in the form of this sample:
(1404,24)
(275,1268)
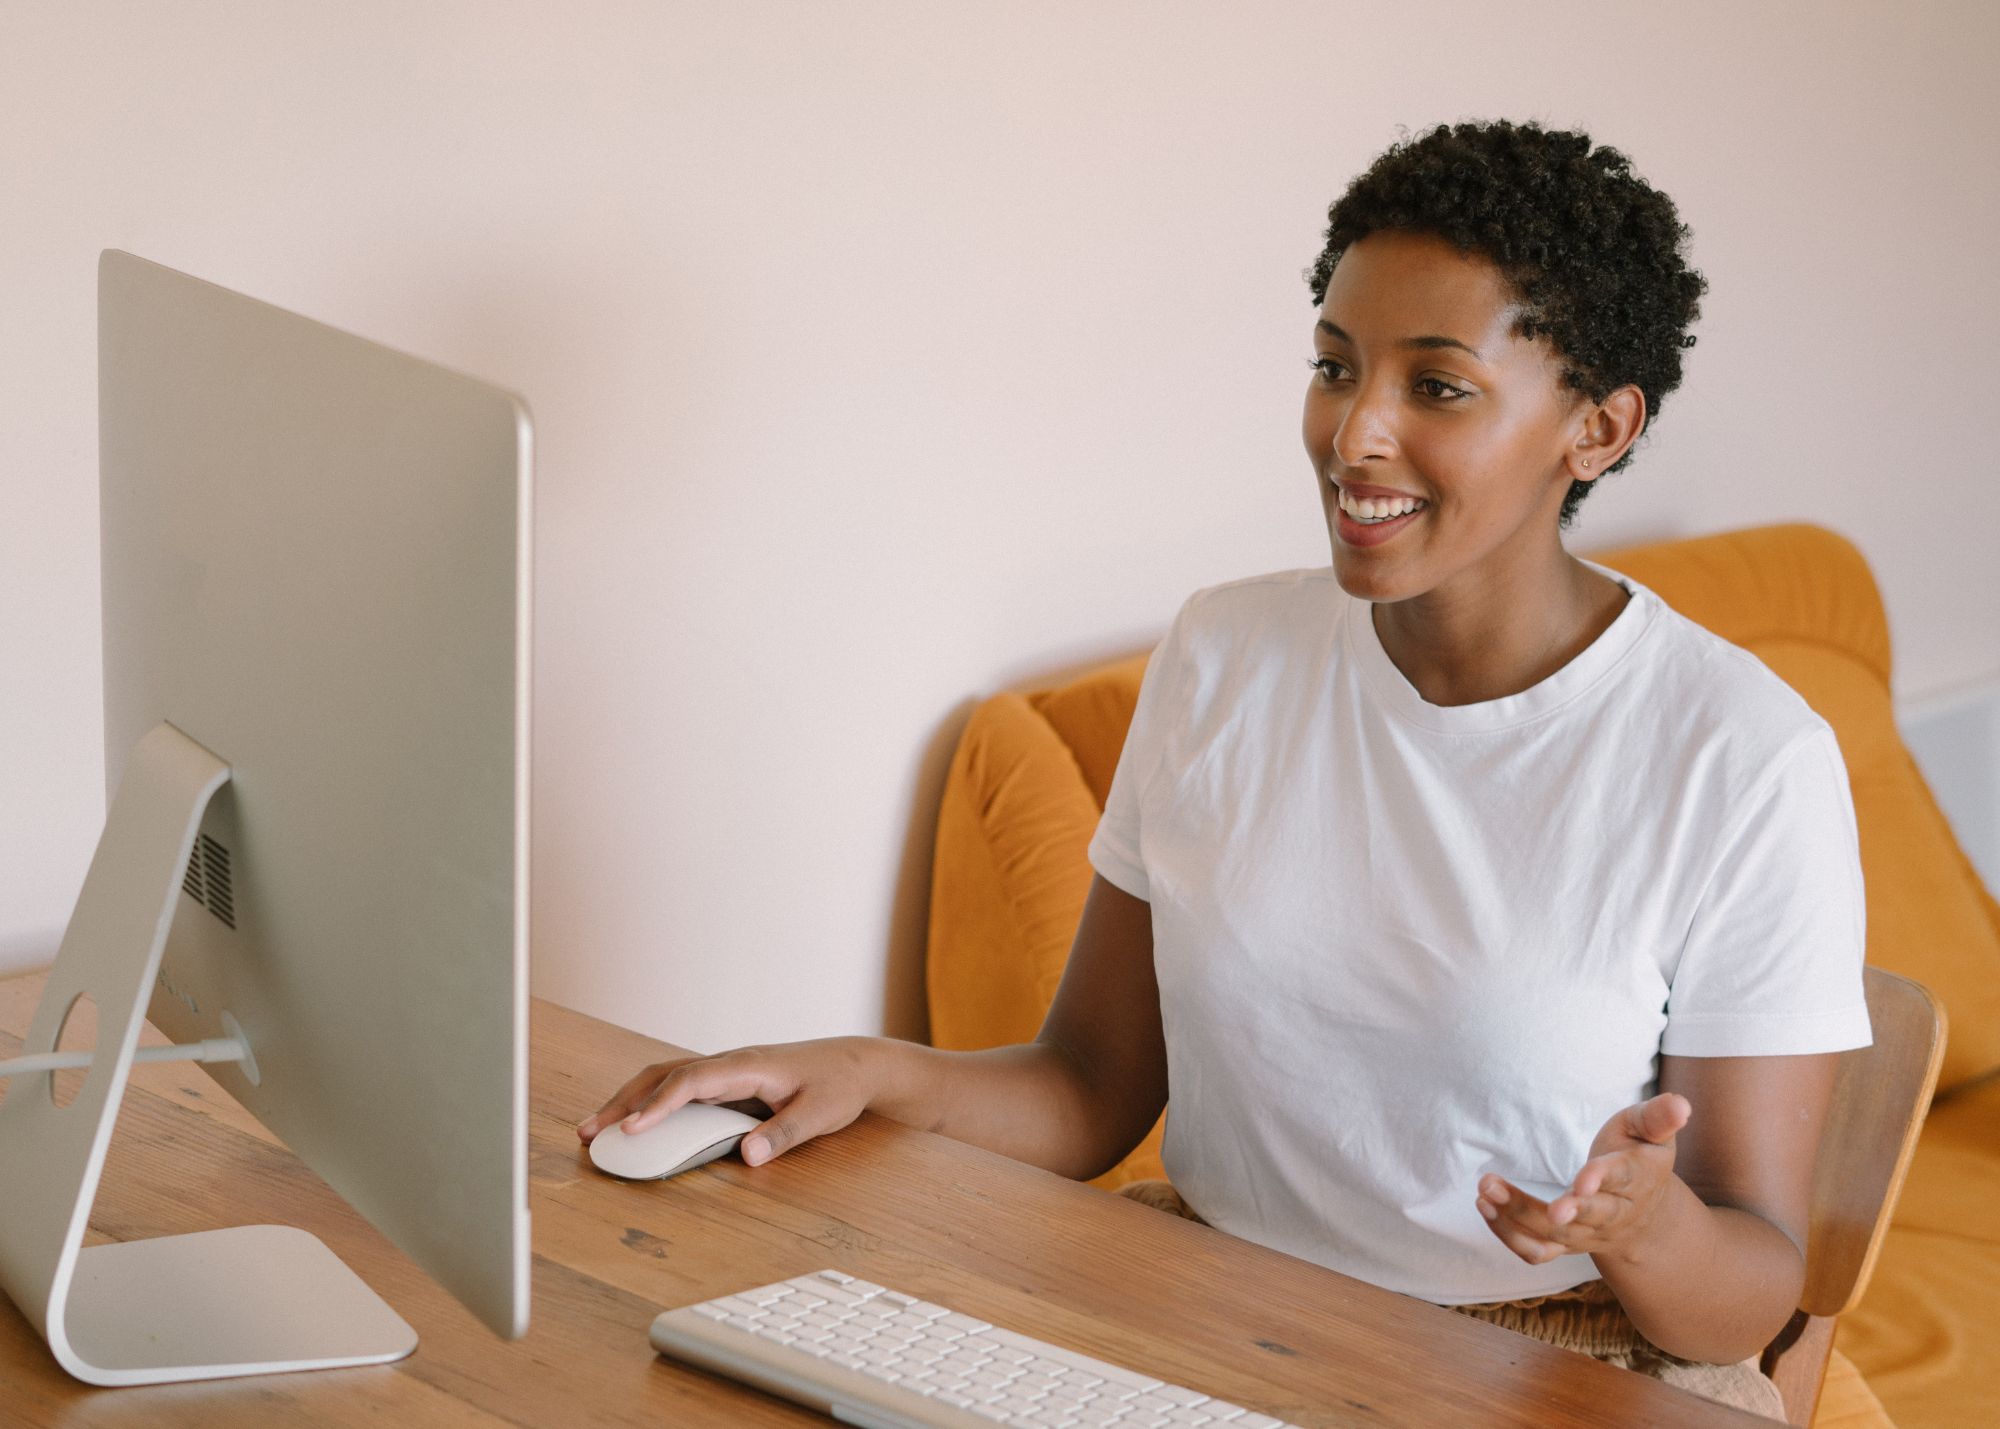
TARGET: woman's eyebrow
(1428,341)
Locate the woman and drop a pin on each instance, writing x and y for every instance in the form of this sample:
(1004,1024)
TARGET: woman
(1490,927)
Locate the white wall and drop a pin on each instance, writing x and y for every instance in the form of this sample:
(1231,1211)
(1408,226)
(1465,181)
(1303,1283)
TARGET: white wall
(883,354)
(1954,735)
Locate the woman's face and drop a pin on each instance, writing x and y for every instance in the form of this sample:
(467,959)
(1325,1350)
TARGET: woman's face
(1422,392)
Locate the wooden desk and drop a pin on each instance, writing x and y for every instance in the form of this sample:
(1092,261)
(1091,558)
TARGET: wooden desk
(990,1236)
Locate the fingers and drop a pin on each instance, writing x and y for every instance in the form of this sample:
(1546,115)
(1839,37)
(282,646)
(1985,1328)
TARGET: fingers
(1612,1200)
(1519,1220)
(732,1076)
(1576,1214)
(626,1099)
(1538,1231)
(1603,1208)
(811,1089)
(664,1087)
(1613,1174)
(800,1120)
(1658,1120)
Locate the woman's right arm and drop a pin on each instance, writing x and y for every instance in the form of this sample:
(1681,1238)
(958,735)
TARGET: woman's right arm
(1074,1101)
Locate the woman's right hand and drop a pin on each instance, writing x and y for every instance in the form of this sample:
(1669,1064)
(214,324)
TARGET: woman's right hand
(1073,1101)
(811,1088)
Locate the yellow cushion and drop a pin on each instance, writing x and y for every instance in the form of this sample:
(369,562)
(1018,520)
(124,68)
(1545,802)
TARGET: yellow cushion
(1846,1401)
(1091,715)
(1010,879)
(1011,873)
(1954,1183)
(1927,1333)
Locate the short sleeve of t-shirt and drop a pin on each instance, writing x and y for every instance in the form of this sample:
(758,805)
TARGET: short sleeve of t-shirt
(1772,963)
(1115,848)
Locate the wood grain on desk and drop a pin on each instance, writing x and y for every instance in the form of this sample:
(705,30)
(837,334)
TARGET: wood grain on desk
(948,1222)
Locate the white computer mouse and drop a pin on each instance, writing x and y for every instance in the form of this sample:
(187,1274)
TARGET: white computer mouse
(692,1136)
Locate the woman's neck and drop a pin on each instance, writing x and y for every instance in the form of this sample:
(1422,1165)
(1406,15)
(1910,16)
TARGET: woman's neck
(1486,637)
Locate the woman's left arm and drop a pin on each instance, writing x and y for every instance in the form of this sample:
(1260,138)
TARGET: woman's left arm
(1693,1204)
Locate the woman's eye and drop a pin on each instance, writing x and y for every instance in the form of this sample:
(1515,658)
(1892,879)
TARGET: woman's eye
(1443,391)
(1329,368)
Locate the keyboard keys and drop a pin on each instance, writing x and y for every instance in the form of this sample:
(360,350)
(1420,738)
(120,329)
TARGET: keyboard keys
(738,1305)
(937,1361)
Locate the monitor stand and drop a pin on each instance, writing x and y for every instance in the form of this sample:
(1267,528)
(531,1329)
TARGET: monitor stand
(247,1300)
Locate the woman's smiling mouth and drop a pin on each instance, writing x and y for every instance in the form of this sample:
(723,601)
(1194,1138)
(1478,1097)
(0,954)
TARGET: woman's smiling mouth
(1373,515)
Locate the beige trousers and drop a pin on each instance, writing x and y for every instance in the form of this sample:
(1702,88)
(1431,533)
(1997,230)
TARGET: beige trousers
(1587,1319)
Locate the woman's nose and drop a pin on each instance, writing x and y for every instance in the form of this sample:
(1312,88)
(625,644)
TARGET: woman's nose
(1367,427)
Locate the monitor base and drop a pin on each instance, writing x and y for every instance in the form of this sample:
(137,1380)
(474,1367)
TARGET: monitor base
(248,1300)
(251,1300)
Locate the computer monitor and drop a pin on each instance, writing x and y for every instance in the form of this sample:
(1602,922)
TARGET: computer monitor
(315,585)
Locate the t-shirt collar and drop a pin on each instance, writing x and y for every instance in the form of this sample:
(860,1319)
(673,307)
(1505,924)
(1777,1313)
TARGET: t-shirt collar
(1599,659)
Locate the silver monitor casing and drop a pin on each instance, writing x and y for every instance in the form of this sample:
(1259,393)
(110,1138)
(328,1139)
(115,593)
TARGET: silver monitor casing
(315,567)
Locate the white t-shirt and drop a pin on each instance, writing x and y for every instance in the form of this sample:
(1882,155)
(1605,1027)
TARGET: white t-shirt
(1400,945)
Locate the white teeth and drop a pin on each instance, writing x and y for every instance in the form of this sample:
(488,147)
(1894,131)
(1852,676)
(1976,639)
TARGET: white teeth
(1377,508)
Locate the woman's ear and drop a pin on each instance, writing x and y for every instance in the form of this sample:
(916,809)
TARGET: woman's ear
(1609,428)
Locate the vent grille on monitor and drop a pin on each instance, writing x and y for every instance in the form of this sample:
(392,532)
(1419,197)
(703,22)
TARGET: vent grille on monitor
(207,879)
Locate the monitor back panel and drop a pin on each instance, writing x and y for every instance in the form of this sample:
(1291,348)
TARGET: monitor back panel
(315,564)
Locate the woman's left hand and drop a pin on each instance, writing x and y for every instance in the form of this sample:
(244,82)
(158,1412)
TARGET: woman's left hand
(1613,1199)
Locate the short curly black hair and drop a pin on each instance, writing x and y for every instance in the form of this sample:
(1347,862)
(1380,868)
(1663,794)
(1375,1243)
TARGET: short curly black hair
(1594,253)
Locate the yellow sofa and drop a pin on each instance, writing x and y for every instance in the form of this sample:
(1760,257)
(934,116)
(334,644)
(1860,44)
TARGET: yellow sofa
(1032,770)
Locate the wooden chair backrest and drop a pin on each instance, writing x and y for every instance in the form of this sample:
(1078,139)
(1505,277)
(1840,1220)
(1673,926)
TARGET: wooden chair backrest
(1880,1094)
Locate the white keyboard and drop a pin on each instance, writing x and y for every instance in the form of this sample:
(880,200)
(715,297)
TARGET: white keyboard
(883,1360)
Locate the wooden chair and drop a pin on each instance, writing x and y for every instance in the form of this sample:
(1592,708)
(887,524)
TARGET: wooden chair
(1880,1095)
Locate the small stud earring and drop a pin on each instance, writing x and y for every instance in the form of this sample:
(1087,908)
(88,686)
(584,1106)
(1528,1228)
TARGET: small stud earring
(1586,463)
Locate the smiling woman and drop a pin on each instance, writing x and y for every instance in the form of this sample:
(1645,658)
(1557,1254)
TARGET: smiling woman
(1433,998)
